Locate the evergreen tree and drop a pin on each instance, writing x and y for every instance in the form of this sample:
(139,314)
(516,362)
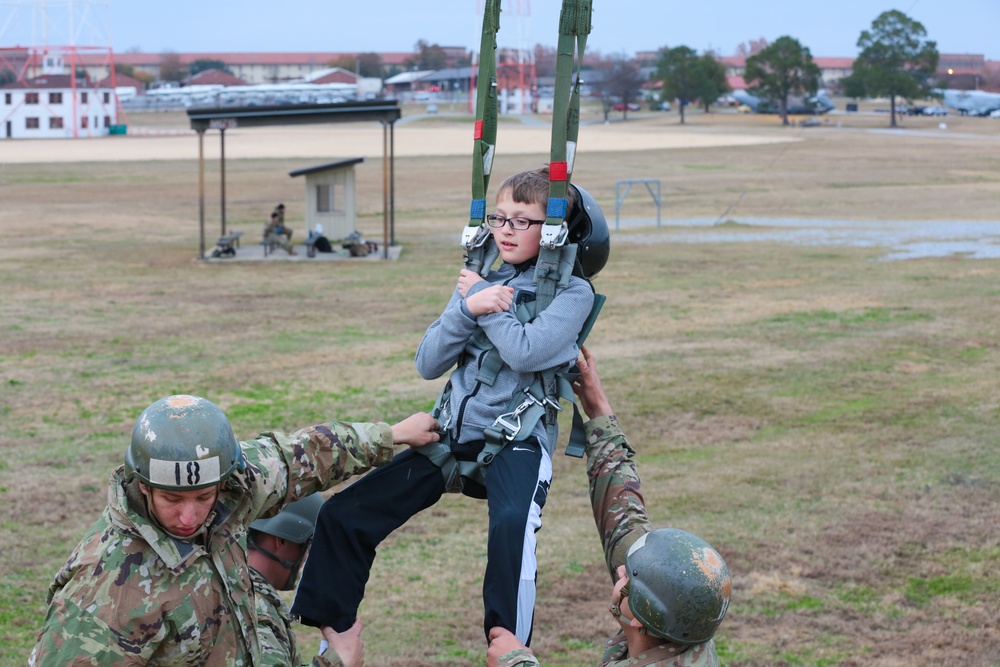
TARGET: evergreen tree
(782,69)
(681,71)
(895,61)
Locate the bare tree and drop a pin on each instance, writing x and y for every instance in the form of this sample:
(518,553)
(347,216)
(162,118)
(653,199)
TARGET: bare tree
(752,47)
(545,61)
(621,83)
(171,67)
(428,56)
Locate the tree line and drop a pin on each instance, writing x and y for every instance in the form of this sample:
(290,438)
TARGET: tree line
(895,60)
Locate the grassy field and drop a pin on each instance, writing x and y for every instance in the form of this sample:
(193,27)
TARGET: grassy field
(827,420)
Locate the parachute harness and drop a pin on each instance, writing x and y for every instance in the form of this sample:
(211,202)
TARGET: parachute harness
(556,257)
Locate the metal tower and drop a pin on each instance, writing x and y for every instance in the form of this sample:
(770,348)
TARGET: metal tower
(44,36)
(515,65)
(39,37)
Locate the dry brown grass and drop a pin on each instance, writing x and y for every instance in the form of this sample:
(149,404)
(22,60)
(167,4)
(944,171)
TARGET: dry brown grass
(826,420)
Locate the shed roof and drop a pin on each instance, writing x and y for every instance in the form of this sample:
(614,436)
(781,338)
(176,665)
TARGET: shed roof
(342,164)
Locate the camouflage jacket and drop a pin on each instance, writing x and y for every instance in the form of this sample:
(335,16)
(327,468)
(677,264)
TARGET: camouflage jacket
(274,629)
(620,515)
(132,595)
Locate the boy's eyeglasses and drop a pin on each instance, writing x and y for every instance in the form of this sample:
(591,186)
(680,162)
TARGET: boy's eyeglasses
(520,224)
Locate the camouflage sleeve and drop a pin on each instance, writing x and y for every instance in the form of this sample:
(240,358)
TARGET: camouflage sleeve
(285,467)
(75,636)
(521,657)
(328,658)
(274,625)
(94,620)
(615,491)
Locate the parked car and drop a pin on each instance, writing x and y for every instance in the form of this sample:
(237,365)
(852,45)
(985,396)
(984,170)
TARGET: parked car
(995,113)
(660,106)
(621,107)
(935,111)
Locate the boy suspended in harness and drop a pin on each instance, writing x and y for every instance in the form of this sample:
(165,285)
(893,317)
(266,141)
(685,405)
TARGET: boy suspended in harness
(491,331)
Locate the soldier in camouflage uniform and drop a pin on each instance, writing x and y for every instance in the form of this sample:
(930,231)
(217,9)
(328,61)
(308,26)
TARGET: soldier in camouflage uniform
(162,577)
(277,547)
(671,588)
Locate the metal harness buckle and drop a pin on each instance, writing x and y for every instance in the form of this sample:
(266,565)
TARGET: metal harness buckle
(474,236)
(510,429)
(554,236)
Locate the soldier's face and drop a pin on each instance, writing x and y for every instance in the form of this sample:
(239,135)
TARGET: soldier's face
(182,512)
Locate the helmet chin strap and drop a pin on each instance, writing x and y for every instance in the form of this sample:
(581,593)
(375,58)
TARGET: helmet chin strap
(291,565)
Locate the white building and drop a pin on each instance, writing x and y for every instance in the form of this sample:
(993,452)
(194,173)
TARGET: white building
(53,106)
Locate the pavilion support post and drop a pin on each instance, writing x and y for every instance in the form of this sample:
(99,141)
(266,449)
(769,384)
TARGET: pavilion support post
(392,183)
(201,191)
(385,189)
(222,173)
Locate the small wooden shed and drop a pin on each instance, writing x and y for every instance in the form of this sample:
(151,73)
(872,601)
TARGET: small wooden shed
(330,197)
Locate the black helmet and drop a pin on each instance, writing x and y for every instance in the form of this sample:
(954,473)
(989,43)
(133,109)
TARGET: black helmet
(588,229)
(679,585)
(182,443)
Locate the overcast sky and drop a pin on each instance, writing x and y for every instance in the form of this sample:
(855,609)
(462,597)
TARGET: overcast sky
(828,28)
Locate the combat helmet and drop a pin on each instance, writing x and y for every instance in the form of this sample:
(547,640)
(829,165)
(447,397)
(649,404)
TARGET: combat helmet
(679,585)
(296,523)
(182,443)
(588,229)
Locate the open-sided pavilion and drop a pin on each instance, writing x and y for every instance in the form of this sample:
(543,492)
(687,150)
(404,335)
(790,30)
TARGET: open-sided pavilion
(386,112)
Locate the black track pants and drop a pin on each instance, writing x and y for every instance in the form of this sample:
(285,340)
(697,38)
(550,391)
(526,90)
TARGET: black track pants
(354,522)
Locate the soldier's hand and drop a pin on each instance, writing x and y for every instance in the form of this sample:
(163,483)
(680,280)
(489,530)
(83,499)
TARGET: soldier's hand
(588,387)
(347,644)
(416,430)
(502,642)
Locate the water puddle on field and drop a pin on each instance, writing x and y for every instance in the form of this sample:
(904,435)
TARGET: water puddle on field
(901,239)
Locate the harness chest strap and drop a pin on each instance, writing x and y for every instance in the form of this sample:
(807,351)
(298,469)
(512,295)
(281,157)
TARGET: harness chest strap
(556,258)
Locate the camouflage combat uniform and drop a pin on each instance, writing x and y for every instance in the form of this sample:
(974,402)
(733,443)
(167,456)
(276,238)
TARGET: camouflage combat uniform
(274,629)
(132,595)
(620,514)
(274,232)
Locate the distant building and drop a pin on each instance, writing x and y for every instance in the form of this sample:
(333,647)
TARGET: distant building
(407,82)
(831,71)
(213,77)
(54,106)
(253,68)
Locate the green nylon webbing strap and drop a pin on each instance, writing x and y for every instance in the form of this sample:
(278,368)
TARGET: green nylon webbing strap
(476,234)
(574,27)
